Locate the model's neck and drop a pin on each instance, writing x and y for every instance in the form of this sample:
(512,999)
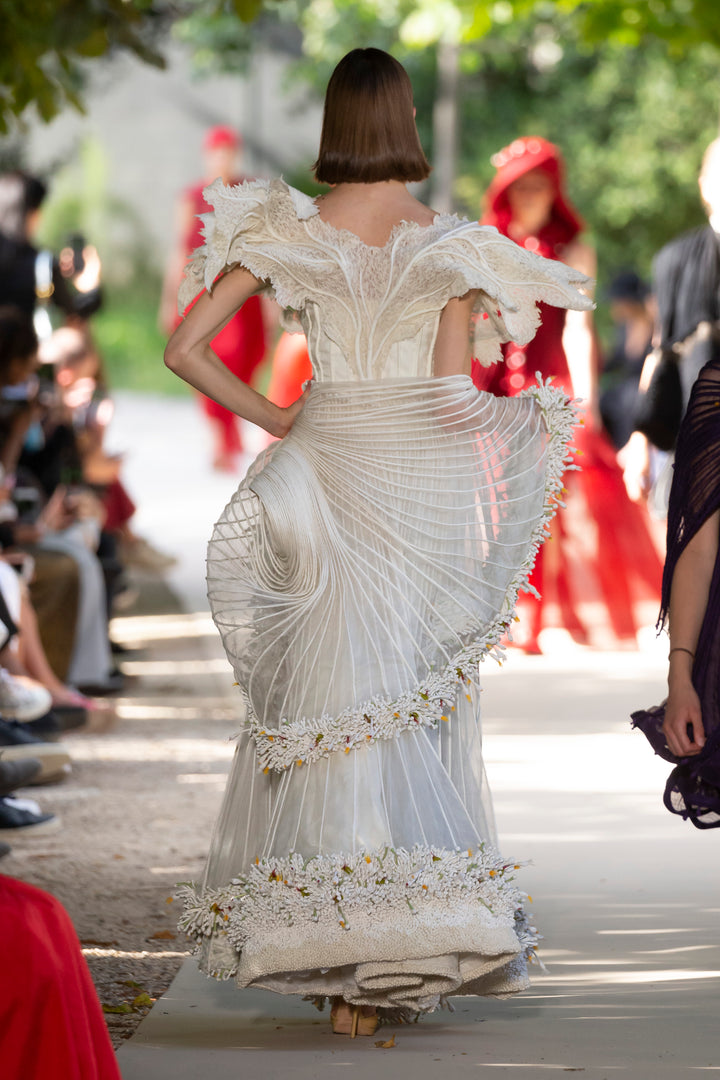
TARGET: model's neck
(380,189)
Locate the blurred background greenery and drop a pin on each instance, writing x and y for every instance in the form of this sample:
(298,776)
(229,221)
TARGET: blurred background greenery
(630,92)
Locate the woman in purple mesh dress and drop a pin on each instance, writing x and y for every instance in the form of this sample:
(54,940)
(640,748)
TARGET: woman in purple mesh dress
(685,730)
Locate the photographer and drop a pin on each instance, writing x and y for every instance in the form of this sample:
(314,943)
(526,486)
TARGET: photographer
(31,279)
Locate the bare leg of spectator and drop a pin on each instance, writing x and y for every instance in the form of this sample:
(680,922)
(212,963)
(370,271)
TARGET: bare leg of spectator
(29,658)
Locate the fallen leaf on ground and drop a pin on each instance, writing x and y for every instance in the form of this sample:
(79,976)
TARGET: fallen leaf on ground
(95,941)
(142,999)
(162,935)
(122,1008)
(131,982)
(386,1045)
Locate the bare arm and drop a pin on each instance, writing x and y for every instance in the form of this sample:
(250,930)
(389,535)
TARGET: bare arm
(634,457)
(579,338)
(453,353)
(189,355)
(688,603)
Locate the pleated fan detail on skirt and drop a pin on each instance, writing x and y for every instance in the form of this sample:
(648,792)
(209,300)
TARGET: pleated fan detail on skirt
(362,569)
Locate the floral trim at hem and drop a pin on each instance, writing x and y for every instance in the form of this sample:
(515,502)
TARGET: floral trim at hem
(305,741)
(341,892)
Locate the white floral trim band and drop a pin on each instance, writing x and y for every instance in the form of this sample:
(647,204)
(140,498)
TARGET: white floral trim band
(307,741)
(342,891)
(302,742)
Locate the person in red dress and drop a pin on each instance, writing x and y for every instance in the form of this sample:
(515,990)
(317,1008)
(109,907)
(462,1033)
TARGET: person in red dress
(51,1022)
(600,578)
(242,343)
(291,368)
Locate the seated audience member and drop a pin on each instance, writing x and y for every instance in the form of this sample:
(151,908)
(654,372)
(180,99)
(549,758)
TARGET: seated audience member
(24,757)
(85,405)
(32,279)
(69,523)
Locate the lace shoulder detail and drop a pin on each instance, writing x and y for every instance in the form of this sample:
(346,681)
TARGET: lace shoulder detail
(369,298)
(512,281)
(259,225)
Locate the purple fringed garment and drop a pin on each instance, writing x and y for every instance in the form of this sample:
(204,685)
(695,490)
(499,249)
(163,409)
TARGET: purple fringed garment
(693,787)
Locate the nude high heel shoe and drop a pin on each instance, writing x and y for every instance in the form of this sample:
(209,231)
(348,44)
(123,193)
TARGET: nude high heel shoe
(353,1020)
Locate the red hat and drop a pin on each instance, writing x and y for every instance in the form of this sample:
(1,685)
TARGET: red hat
(221,136)
(519,158)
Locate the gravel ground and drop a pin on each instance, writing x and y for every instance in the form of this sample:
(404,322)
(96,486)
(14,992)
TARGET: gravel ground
(137,811)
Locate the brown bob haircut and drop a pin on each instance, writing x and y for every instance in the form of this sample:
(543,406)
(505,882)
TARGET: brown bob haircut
(368,132)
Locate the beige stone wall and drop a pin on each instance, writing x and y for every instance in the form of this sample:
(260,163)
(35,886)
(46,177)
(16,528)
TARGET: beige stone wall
(150,124)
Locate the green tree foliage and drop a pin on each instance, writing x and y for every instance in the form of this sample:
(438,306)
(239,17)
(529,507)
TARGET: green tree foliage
(43,45)
(603,80)
(683,24)
(629,90)
(217,38)
(632,123)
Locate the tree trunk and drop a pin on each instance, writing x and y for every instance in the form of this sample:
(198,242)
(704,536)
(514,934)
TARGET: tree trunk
(445,127)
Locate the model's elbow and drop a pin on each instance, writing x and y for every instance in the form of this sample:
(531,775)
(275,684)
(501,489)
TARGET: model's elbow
(175,357)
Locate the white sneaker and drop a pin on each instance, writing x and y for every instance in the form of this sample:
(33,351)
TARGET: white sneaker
(21,698)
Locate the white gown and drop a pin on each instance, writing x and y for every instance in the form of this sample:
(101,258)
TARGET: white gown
(363,568)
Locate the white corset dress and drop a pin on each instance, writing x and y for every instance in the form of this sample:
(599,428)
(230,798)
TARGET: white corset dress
(364,567)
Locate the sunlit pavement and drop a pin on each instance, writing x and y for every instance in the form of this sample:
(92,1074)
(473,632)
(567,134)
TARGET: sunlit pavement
(627,896)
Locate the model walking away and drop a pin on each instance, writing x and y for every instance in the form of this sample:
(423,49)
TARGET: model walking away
(364,567)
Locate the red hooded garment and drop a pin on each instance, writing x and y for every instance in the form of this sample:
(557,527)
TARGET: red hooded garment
(600,576)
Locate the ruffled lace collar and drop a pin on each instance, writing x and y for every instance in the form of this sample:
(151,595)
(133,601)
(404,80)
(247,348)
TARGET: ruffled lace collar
(306,210)
(441,224)
(304,206)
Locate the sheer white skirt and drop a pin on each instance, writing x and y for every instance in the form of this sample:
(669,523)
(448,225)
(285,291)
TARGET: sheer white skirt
(358,575)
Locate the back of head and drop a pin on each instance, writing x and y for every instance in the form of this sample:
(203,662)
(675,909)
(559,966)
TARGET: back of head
(20,195)
(368,132)
(18,340)
(221,137)
(12,207)
(628,286)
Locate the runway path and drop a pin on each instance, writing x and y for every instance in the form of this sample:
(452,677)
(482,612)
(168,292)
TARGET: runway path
(627,897)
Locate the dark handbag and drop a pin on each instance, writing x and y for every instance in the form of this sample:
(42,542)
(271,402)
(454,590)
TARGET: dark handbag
(659,410)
